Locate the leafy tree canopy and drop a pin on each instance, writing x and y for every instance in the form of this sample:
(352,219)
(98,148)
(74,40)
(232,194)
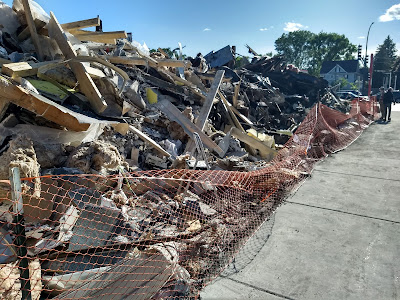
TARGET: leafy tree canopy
(307,50)
(385,56)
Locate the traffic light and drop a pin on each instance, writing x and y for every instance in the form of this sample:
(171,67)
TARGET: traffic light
(366,60)
(359,52)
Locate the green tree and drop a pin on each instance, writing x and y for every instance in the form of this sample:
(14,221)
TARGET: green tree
(384,61)
(385,56)
(328,47)
(342,81)
(307,50)
(295,46)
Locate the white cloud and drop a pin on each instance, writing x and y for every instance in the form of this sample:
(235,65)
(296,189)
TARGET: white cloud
(263,29)
(206,29)
(291,26)
(361,37)
(393,13)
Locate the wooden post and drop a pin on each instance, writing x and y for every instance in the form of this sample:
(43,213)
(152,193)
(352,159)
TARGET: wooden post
(206,109)
(32,29)
(19,231)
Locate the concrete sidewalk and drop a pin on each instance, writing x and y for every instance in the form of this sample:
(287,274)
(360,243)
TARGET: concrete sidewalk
(337,237)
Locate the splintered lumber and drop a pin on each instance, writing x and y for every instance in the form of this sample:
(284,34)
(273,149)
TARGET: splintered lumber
(264,151)
(206,109)
(129,61)
(71,26)
(231,113)
(100,37)
(174,63)
(46,108)
(23,69)
(163,52)
(86,83)
(236,94)
(32,28)
(174,114)
(149,140)
(39,24)
(81,24)
(244,118)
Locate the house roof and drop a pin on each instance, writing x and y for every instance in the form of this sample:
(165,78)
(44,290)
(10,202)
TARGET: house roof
(350,66)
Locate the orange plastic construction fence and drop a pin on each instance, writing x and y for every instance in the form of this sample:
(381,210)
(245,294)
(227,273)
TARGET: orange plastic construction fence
(157,234)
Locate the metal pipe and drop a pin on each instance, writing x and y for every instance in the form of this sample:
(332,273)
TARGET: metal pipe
(19,231)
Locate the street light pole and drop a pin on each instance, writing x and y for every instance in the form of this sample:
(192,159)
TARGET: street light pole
(365,57)
(366,46)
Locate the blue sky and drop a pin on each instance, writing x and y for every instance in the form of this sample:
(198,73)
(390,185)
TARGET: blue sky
(210,25)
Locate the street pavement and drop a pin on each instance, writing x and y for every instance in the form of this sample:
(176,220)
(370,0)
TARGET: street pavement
(336,237)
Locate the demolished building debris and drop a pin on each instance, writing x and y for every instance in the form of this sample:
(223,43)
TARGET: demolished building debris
(75,102)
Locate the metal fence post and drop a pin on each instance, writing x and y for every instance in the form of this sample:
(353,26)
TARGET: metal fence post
(19,232)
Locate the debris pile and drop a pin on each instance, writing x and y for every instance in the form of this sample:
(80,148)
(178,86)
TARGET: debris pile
(74,101)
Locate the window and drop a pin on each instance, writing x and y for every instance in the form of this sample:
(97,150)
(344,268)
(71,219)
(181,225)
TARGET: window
(346,76)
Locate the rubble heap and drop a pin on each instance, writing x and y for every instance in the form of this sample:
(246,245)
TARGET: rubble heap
(74,101)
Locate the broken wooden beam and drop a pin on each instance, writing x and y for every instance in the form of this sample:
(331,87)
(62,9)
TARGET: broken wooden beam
(174,63)
(23,69)
(149,140)
(81,24)
(231,113)
(46,108)
(130,61)
(39,24)
(100,37)
(264,151)
(207,105)
(174,114)
(86,84)
(236,93)
(32,29)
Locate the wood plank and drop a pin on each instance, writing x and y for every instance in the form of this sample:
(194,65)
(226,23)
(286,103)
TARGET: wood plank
(86,83)
(264,151)
(81,24)
(163,52)
(174,114)
(192,87)
(212,76)
(174,63)
(206,108)
(46,108)
(236,94)
(232,114)
(39,24)
(32,29)
(149,140)
(100,37)
(129,61)
(23,69)
(243,117)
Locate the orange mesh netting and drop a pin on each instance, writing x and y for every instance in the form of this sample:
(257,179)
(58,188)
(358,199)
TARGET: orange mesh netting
(156,234)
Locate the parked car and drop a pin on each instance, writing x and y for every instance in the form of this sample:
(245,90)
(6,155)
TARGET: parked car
(350,96)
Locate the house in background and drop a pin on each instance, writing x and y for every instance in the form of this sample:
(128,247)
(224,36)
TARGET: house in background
(332,71)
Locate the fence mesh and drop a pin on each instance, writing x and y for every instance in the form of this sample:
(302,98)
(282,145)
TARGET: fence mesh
(155,234)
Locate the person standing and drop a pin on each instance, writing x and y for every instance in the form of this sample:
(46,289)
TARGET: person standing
(382,94)
(387,104)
